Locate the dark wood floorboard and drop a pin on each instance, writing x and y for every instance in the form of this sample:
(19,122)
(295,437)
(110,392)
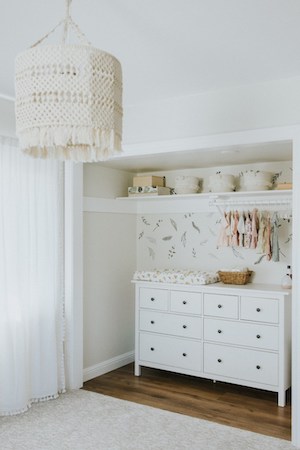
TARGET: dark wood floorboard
(224,403)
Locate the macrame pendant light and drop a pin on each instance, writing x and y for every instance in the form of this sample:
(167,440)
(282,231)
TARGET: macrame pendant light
(68,99)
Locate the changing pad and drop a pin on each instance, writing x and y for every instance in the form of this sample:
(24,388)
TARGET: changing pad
(177,276)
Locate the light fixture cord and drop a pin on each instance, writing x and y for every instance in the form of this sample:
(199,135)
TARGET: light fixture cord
(67,20)
(67,23)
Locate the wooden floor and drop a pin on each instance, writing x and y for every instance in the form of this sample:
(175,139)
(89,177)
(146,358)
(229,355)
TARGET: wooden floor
(237,406)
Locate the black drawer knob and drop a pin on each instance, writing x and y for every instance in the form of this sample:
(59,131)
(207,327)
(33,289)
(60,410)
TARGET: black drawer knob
(184,354)
(219,331)
(184,326)
(258,336)
(219,360)
(258,367)
(258,309)
(152,349)
(152,299)
(152,321)
(219,306)
(184,302)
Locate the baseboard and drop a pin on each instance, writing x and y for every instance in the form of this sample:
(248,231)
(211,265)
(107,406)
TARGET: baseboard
(107,366)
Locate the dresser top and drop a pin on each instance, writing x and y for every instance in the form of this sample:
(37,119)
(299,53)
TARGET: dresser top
(274,289)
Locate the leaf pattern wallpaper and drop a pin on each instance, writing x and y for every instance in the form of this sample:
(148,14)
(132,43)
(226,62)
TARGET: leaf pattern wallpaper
(189,241)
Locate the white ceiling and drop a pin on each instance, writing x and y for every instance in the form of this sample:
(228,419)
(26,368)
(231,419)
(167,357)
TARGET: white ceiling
(168,48)
(171,48)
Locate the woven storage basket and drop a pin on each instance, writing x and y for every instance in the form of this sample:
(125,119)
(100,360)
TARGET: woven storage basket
(235,277)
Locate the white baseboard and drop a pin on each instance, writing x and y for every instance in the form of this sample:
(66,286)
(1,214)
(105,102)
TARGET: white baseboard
(107,366)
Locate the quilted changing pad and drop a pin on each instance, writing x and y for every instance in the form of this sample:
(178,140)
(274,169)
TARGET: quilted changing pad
(177,276)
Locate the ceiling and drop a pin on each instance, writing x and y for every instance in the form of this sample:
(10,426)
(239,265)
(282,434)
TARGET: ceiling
(171,48)
(168,48)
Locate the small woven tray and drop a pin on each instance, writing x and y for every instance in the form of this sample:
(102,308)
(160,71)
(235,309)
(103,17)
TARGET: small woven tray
(235,277)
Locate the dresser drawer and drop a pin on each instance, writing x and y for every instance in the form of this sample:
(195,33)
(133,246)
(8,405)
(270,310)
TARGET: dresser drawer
(220,305)
(259,309)
(239,363)
(154,298)
(181,353)
(158,322)
(186,302)
(240,333)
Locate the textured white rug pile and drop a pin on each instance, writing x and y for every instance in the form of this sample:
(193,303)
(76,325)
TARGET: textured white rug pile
(89,421)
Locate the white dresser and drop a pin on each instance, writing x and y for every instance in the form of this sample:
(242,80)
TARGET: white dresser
(236,334)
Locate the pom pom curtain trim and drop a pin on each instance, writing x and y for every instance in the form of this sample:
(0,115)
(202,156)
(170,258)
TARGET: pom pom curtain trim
(69,99)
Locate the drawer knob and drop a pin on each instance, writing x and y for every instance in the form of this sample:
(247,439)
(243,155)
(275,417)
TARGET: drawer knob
(258,309)
(152,349)
(219,331)
(258,336)
(184,302)
(152,321)
(258,367)
(184,354)
(184,326)
(219,360)
(152,299)
(219,306)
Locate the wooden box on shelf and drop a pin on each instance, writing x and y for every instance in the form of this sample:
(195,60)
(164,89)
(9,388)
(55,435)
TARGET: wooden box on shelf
(284,186)
(149,180)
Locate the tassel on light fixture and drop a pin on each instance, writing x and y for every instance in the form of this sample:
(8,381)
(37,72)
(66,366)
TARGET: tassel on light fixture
(68,99)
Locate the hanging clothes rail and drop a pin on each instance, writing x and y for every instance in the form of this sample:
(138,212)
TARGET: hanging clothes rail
(258,198)
(270,200)
(247,202)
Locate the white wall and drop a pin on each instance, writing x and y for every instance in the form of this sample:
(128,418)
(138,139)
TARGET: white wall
(262,105)
(103,182)
(109,262)
(7,117)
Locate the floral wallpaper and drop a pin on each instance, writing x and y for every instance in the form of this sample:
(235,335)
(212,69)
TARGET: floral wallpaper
(189,241)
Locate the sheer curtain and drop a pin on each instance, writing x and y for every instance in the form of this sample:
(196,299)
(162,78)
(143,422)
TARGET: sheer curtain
(31,279)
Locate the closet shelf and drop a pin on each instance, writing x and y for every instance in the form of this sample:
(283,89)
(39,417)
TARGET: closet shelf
(207,201)
(274,196)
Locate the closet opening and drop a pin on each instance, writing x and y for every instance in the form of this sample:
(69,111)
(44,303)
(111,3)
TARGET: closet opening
(181,232)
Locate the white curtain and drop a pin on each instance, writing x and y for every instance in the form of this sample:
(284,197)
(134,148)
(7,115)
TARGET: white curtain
(31,279)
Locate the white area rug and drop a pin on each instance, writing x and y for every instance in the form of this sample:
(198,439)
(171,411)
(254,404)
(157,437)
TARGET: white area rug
(89,421)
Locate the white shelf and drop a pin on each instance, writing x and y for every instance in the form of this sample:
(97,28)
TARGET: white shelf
(165,197)
(273,194)
(207,201)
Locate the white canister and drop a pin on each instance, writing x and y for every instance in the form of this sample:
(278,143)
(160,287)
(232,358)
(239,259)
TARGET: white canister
(186,184)
(256,180)
(186,180)
(221,183)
